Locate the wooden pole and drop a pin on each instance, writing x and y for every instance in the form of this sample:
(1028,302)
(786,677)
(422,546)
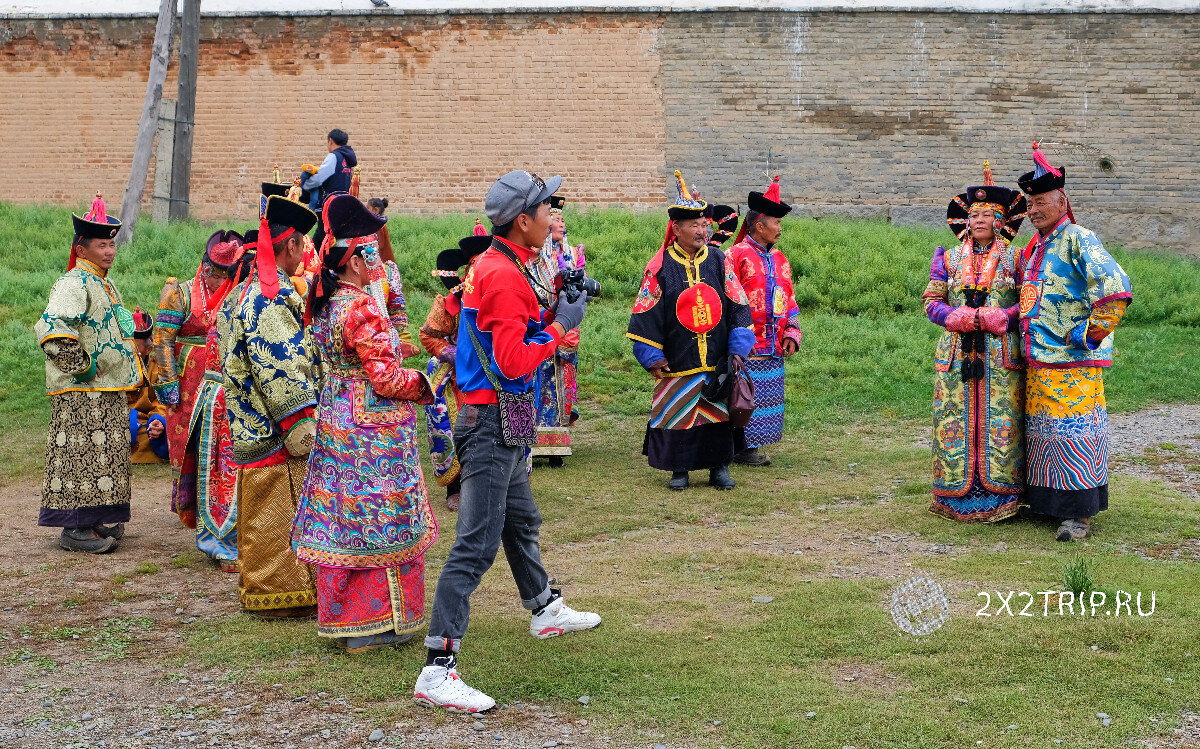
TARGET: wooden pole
(185,110)
(160,57)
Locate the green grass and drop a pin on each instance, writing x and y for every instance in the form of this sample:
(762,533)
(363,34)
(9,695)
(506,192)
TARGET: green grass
(685,655)
(683,645)
(865,354)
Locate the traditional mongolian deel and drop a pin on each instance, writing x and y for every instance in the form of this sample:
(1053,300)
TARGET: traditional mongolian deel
(439,336)
(690,311)
(179,339)
(556,389)
(1071,301)
(91,361)
(766,276)
(1073,298)
(978,449)
(269,377)
(364,516)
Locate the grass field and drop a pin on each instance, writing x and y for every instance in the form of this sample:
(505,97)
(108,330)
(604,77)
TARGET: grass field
(686,655)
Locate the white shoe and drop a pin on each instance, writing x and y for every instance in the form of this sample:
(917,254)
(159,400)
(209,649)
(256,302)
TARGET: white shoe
(439,686)
(559,619)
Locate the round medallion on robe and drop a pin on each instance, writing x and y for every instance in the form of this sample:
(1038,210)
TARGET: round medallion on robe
(699,308)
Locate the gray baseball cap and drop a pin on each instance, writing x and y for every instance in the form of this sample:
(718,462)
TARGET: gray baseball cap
(515,192)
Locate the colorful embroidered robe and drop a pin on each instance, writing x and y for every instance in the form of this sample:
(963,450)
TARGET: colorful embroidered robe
(180,334)
(440,332)
(216,470)
(978,447)
(364,517)
(1073,297)
(557,392)
(269,377)
(690,312)
(766,275)
(91,362)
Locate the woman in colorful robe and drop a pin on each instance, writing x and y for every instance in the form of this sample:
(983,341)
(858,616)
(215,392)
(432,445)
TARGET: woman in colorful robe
(557,391)
(439,336)
(87,336)
(766,275)
(364,519)
(1074,296)
(979,382)
(204,494)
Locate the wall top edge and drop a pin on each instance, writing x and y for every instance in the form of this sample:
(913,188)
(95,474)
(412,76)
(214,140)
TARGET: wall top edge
(66,9)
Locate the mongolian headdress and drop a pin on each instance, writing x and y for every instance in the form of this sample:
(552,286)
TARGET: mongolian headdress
(1044,177)
(346,223)
(766,203)
(450,261)
(223,250)
(685,206)
(1008,204)
(96,224)
(556,204)
(291,218)
(725,223)
(272,188)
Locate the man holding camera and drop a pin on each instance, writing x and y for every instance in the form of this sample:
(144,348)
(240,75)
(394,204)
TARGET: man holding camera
(504,336)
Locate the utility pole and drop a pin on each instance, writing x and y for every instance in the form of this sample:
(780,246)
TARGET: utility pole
(185,110)
(160,57)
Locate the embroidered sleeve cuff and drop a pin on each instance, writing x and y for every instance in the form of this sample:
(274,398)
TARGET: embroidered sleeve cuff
(1080,338)
(86,375)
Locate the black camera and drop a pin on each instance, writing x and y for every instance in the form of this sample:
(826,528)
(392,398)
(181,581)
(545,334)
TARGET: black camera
(575,284)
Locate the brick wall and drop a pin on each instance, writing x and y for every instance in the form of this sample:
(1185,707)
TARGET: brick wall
(865,113)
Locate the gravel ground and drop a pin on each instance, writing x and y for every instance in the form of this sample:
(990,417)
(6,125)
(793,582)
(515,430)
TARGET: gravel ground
(1169,436)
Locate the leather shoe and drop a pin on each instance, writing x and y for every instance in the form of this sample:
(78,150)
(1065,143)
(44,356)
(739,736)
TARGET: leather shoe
(86,539)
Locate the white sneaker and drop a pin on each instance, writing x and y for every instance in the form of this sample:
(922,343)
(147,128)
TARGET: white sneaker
(559,619)
(439,686)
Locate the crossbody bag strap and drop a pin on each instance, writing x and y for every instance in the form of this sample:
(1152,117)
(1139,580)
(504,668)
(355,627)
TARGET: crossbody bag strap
(533,284)
(484,359)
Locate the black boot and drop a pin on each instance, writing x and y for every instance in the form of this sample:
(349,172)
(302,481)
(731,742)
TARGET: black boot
(751,457)
(679,481)
(86,539)
(719,478)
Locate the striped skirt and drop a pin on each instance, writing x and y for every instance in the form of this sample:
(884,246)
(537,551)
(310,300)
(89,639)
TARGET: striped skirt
(687,432)
(1066,428)
(766,423)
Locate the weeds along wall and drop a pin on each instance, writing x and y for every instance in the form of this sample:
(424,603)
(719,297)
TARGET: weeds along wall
(868,113)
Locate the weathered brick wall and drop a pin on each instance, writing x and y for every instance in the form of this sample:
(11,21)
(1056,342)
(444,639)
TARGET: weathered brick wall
(868,113)
(436,106)
(879,110)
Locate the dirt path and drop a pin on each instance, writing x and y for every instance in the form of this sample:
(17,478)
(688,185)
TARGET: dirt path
(91,646)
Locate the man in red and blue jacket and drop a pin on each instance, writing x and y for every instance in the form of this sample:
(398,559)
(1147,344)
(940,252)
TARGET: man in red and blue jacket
(503,337)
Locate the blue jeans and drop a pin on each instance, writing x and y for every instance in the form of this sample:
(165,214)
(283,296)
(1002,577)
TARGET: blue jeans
(495,506)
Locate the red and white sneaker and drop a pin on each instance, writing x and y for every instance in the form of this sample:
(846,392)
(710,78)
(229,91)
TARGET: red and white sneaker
(558,619)
(439,686)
